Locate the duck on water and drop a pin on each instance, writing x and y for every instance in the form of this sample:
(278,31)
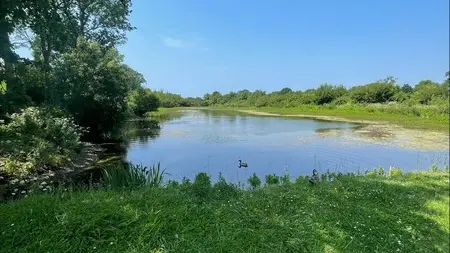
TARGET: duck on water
(242,164)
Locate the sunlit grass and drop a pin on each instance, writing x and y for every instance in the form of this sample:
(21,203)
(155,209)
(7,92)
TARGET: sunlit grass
(344,213)
(163,113)
(129,176)
(386,113)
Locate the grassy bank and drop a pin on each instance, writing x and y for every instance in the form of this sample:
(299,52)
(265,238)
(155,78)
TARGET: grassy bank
(422,117)
(403,213)
(163,113)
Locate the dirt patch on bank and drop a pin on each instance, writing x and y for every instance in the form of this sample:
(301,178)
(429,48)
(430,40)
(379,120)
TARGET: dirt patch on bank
(377,132)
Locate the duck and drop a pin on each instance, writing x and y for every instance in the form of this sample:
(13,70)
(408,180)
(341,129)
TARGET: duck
(314,179)
(241,164)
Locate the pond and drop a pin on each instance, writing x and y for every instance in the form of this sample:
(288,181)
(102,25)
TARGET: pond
(213,141)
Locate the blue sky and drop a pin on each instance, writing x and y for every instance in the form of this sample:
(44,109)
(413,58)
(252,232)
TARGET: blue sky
(192,47)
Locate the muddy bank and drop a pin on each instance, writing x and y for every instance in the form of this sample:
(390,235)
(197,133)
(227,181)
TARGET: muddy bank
(377,132)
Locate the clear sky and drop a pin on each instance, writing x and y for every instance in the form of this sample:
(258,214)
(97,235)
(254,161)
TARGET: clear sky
(192,47)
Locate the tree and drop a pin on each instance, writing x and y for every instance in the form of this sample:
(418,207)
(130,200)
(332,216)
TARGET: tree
(326,93)
(285,90)
(90,83)
(406,88)
(103,21)
(378,92)
(141,101)
(426,90)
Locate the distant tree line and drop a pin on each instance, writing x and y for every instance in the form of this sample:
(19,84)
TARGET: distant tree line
(426,92)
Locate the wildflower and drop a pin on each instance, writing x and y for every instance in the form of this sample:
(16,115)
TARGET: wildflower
(14,194)
(23,192)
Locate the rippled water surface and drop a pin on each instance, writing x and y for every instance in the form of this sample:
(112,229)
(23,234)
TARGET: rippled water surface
(213,141)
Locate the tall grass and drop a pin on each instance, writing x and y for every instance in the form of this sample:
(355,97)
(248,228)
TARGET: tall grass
(345,213)
(130,176)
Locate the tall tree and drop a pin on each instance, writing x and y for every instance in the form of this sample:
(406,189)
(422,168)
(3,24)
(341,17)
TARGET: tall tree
(91,84)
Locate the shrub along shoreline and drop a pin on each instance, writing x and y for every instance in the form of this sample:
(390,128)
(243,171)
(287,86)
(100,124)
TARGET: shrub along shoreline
(377,212)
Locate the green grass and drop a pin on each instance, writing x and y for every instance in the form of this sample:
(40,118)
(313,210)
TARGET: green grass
(163,113)
(130,176)
(415,117)
(398,213)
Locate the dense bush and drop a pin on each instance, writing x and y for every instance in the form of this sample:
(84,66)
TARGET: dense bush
(169,100)
(328,96)
(90,83)
(37,137)
(327,93)
(373,93)
(427,90)
(141,101)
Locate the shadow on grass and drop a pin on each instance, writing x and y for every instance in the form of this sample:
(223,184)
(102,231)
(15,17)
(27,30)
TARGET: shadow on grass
(349,214)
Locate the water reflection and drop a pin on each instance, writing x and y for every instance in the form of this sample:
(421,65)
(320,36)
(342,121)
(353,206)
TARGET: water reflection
(141,130)
(212,141)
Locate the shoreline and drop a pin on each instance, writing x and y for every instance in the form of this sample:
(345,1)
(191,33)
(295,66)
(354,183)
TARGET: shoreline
(372,131)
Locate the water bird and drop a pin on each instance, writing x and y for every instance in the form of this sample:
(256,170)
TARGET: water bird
(241,164)
(314,179)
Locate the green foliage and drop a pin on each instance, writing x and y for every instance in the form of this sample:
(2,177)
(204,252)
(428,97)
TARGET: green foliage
(434,168)
(90,85)
(224,190)
(169,100)
(327,93)
(201,187)
(254,181)
(286,178)
(330,96)
(3,87)
(379,92)
(272,179)
(141,101)
(372,173)
(395,172)
(425,91)
(132,176)
(409,213)
(38,137)
(406,88)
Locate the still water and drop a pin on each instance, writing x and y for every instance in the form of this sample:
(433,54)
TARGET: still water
(213,142)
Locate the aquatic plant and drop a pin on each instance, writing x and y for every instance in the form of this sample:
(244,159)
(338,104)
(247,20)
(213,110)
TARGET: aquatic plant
(129,176)
(272,179)
(434,168)
(201,187)
(395,171)
(254,181)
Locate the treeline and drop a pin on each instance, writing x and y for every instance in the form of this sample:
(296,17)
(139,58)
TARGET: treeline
(383,91)
(387,90)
